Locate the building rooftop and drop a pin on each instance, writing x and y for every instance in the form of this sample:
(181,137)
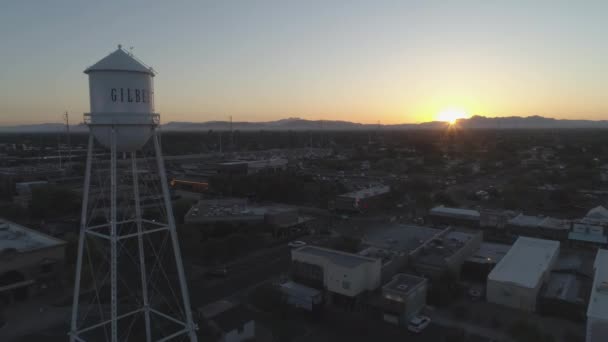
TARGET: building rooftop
(399,237)
(337,257)
(233,209)
(227,315)
(443,246)
(368,192)
(554,223)
(403,283)
(588,232)
(490,253)
(22,239)
(526,220)
(455,212)
(598,302)
(525,262)
(301,290)
(565,286)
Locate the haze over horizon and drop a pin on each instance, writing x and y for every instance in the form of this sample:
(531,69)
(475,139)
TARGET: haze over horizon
(360,61)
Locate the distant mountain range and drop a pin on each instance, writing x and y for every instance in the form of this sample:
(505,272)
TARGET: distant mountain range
(298,124)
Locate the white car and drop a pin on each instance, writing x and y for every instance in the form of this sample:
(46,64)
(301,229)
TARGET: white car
(296,244)
(418,323)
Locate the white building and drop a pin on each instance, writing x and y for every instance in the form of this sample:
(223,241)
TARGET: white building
(597,312)
(340,272)
(518,277)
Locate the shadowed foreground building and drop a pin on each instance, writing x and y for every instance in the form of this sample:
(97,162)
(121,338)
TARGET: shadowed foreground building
(402,298)
(345,276)
(29,261)
(597,312)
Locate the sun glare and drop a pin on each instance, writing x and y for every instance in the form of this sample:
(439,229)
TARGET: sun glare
(451,115)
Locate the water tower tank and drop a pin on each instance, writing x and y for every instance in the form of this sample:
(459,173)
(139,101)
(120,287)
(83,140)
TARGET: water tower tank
(121,92)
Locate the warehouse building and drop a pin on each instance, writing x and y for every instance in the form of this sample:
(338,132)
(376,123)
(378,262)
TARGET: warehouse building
(362,200)
(588,234)
(597,311)
(517,279)
(248,167)
(344,275)
(540,227)
(29,261)
(240,211)
(454,217)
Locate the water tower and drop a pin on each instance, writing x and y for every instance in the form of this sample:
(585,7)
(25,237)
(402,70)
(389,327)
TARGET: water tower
(130,282)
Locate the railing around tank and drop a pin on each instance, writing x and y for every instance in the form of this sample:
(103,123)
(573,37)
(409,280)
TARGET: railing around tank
(121,119)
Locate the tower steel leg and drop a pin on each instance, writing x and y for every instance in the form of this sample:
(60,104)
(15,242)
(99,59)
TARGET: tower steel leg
(81,237)
(172,230)
(140,241)
(113,239)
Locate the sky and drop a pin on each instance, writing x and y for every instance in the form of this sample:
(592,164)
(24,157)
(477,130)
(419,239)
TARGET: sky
(364,61)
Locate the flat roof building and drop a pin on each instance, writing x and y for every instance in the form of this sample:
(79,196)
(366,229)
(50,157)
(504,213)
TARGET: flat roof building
(597,311)
(341,273)
(480,264)
(518,277)
(454,216)
(587,233)
(240,211)
(363,199)
(539,227)
(29,260)
(402,298)
(445,253)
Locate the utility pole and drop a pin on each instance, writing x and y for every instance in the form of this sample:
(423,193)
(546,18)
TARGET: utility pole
(231,134)
(67,129)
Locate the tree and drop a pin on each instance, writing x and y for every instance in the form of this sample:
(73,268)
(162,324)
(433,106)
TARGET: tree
(53,201)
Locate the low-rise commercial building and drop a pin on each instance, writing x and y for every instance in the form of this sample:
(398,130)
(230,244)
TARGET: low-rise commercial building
(392,243)
(517,279)
(24,192)
(597,311)
(29,260)
(228,322)
(445,253)
(564,295)
(402,298)
(240,211)
(362,200)
(539,227)
(302,297)
(454,217)
(477,266)
(344,275)
(588,234)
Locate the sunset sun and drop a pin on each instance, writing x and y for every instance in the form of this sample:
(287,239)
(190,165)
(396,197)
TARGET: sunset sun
(451,115)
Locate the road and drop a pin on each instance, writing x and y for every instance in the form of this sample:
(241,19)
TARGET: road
(242,274)
(359,327)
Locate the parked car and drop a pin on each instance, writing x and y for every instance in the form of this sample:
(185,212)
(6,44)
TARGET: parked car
(418,323)
(296,244)
(475,293)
